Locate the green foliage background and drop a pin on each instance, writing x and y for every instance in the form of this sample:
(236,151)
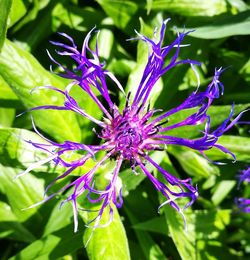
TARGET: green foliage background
(216,230)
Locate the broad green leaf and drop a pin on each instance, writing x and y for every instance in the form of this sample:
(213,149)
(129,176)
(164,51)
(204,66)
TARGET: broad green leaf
(191,8)
(18,10)
(120,11)
(80,19)
(149,5)
(221,191)
(157,225)
(10,227)
(238,145)
(47,17)
(209,224)
(16,152)
(245,71)
(21,193)
(108,242)
(28,38)
(59,218)
(240,5)
(184,240)
(150,249)
(22,72)
(7,116)
(122,67)
(53,246)
(105,43)
(6,92)
(194,164)
(211,234)
(32,13)
(238,24)
(5,6)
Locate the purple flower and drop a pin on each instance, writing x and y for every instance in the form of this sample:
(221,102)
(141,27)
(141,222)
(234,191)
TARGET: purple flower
(131,134)
(242,203)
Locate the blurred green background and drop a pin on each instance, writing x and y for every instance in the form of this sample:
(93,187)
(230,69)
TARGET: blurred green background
(216,229)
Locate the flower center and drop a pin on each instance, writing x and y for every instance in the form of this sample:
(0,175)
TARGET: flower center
(128,139)
(129,133)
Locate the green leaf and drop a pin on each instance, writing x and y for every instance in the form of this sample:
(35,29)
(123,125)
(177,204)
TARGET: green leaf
(59,218)
(209,224)
(149,5)
(240,5)
(108,242)
(7,117)
(53,246)
(22,72)
(157,225)
(105,43)
(18,10)
(211,234)
(221,191)
(245,71)
(238,24)
(120,11)
(10,227)
(122,67)
(81,19)
(15,152)
(192,163)
(8,98)
(191,8)
(5,6)
(184,240)
(238,145)
(41,18)
(150,249)
(21,193)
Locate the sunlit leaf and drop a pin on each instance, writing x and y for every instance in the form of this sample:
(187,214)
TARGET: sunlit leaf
(176,224)
(21,193)
(120,11)
(10,227)
(238,145)
(194,164)
(191,8)
(108,242)
(23,73)
(157,225)
(221,191)
(238,24)
(5,6)
(53,246)
(150,249)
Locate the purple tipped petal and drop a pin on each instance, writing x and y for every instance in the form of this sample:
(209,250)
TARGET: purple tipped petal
(242,203)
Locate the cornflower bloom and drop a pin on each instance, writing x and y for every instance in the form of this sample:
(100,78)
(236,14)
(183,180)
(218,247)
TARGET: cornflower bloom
(242,203)
(130,135)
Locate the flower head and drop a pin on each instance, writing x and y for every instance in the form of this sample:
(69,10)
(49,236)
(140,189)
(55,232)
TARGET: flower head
(242,203)
(134,132)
